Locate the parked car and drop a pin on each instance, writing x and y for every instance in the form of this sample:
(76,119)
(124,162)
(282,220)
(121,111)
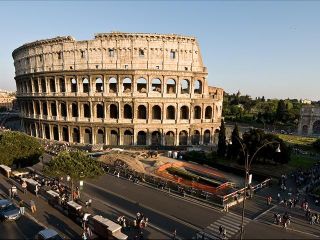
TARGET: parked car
(9,211)
(48,234)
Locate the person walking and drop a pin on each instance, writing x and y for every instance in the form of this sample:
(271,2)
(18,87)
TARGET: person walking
(13,191)
(220,230)
(22,208)
(36,190)
(33,206)
(24,187)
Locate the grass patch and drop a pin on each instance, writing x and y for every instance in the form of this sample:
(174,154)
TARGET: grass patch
(297,140)
(301,161)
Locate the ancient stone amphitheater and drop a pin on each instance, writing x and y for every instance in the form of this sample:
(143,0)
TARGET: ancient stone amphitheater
(117,89)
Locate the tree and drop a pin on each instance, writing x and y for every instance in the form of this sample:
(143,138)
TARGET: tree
(281,112)
(19,149)
(222,146)
(235,146)
(78,165)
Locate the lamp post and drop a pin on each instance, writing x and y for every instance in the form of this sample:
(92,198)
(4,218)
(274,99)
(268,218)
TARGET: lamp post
(246,178)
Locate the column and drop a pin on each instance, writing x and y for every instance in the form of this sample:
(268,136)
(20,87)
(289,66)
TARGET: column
(105,84)
(51,132)
(177,137)
(135,137)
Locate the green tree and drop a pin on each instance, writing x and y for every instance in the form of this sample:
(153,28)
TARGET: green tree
(78,165)
(222,146)
(281,112)
(19,149)
(235,146)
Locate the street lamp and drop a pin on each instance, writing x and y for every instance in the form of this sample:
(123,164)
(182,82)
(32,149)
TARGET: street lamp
(247,169)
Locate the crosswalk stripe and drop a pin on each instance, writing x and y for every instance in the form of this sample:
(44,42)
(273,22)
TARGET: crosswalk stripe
(228,221)
(230,231)
(232,225)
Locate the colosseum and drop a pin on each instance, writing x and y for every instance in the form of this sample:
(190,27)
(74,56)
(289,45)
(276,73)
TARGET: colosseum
(117,89)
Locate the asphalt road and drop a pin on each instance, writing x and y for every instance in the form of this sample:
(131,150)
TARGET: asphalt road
(24,228)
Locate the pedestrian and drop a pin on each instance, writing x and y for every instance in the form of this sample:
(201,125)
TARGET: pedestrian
(279,198)
(88,232)
(224,234)
(22,208)
(174,235)
(220,230)
(33,206)
(89,202)
(36,190)
(13,191)
(84,235)
(24,187)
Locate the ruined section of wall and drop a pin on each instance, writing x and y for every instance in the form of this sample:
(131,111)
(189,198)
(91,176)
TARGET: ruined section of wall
(309,123)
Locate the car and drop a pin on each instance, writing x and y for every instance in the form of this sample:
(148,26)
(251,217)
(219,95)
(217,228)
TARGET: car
(48,234)
(9,211)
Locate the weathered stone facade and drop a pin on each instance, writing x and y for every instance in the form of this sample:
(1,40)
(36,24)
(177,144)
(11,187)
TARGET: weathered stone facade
(309,123)
(117,89)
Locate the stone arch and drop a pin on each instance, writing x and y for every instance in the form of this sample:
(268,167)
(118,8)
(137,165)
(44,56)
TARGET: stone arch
(127,111)
(62,84)
(197,112)
(171,112)
(155,138)
(185,86)
(76,135)
(156,85)
(99,85)
(127,85)
(75,110)
(86,110)
(184,112)
(56,133)
(206,136)
(169,138)
(46,131)
(142,85)
(316,127)
(113,85)
(114,138)
(37,107)
(74,87)
(31,108)
(195,139)
(85,85)
(36,85)
(100,137)
(156,112)
(183,138)
(63,109)
(52,84)
(43,85)
(100,110)
(216,136)
(127,137)
(142,138)
(197,87)
(33,130)
(208,112)
(142,112)
(65,134)
(53,109)
(87,136)
(305,129)
(113,111)
(44,108)
(171,86)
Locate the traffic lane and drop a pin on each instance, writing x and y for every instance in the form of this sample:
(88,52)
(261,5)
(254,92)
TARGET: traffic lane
(196,214)
(23,228)
(156,219)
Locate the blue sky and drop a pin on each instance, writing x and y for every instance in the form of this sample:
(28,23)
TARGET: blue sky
(262,48)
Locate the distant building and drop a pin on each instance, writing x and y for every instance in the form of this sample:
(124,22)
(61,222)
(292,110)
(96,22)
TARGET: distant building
(309,123)
(7,99)
(306,101)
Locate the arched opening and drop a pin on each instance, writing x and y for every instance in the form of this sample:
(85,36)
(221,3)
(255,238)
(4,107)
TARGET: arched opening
(43,85)
(195,140)
(126,85)
(142,138)
(87,136)
(31,108)
(62,84)
(53,109)
(183,138)
(305,129)
(65,134)
(113,85)
(171,86)
(185,86)
(113,111)
(208,113)
(127,111)
(85,85)
(156,138)
(171,113)
(169,138)
(142,112)
(100,137)
(216,136)
(55,133)
(47,131)
(100,111)
(128,138)
(37,108)
(184,112)
(198,87)
(86,110)
(142,85)
(99,85)
(206,137)
(52,84)
(36,85)
(156,112)
(44,109)
(156,85)
(63,109)
(75,135)
(316,127)
(114,137)
(33,130)
(74,109)
(74,87)
(197,112)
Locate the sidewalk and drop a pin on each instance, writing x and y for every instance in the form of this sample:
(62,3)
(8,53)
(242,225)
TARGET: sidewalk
(45,215)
